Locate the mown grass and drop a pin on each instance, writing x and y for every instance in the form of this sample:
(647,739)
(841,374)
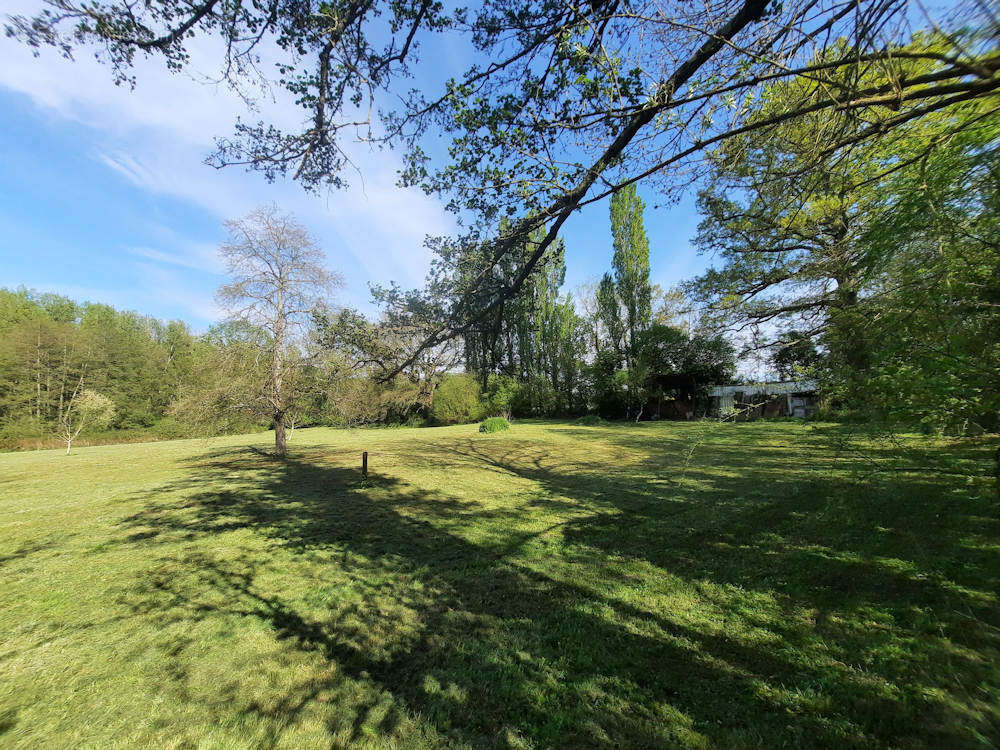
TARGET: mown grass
(656,585)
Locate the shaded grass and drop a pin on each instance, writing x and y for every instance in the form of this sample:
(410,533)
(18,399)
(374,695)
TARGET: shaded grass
(658,585)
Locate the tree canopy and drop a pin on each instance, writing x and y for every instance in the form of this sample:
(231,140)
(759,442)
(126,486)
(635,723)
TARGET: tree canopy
(886,256)
(560,106)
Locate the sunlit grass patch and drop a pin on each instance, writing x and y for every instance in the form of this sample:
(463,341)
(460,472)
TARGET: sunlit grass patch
(654,585)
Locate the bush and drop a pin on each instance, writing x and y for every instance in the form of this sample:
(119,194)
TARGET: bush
(415,420)
(170,428)
(134,418)
(500,394)
(456,401)
(591,420)
(494,424)
(14,431)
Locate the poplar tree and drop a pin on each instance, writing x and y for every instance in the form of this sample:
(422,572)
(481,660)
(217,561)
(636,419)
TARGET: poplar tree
(631,267)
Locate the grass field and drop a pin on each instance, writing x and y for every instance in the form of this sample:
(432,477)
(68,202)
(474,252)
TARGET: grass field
(656,585)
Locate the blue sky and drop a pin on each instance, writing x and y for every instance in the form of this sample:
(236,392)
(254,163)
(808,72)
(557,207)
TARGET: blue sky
(104,196)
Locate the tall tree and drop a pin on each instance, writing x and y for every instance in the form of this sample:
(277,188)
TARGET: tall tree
(631,265)
(279,279)
(520,337)
(576,101)
(624,297)
(610,315)
(783,223)
(887,249)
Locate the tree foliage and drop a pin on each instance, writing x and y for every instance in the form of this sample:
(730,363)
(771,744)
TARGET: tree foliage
(561,106)
(887,256)
(457,401)
(795,355)
(631,269)
(535,336)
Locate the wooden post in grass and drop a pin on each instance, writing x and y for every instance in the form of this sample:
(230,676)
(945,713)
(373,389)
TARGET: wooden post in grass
(364,464)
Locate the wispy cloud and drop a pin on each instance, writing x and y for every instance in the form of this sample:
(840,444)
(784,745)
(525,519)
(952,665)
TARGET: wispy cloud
(127,167)
(156,138)
(199,260)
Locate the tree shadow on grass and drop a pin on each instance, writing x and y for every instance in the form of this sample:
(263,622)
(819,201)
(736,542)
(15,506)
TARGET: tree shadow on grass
(492,646)
(895,577)
(27,549)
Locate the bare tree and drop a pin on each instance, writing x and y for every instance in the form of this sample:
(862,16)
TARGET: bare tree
(278,278)
(85,408)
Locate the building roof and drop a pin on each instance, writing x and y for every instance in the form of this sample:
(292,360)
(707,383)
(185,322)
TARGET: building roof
(771,389)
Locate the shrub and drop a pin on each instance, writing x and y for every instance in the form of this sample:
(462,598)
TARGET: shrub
(170,428)
(501,393)
(415,420)
(456,401)
(133,417)
(590,420)
(14,431)
(494,424)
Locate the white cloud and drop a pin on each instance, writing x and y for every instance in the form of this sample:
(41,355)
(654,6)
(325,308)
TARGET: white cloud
(199,258)
(157,136)
(128,167)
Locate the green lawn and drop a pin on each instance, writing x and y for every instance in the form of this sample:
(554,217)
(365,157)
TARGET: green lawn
(657,585)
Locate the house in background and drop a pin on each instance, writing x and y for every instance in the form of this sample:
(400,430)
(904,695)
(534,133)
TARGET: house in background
(792,398)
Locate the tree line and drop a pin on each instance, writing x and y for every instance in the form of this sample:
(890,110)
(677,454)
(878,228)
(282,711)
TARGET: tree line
(286,357)
(874,272)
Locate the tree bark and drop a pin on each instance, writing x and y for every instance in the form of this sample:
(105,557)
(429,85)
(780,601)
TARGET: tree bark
(278,374)
(280,439)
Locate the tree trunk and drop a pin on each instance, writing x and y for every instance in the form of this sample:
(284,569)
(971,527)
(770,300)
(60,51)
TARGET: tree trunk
(280,441)
(38,375)
(849,340)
